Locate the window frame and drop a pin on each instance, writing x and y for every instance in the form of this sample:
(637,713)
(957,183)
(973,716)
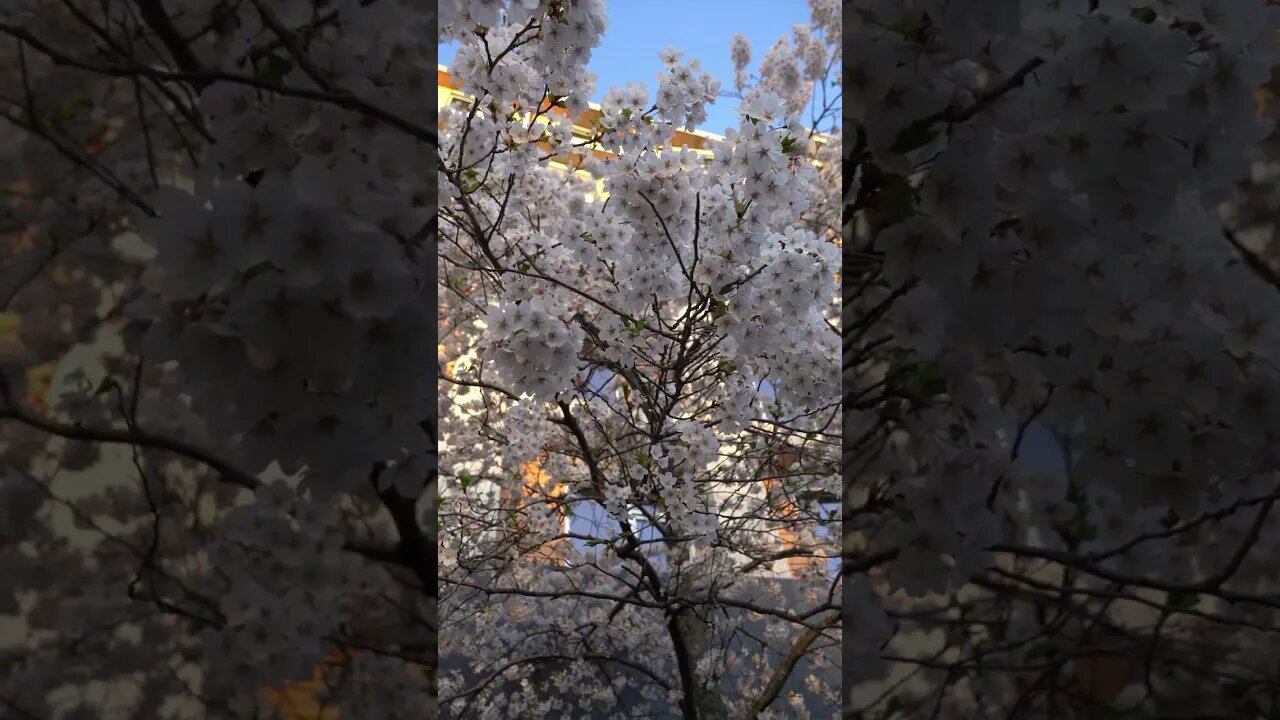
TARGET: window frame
(827,524)
(653,545)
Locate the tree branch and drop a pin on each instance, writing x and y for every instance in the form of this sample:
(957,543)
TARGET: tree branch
(155,16)
(789,662)
(137,438)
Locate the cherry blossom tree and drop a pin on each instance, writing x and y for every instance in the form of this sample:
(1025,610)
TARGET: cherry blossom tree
(216,232)
(1036,247)
(640,428)
(1053,442)
(226,485)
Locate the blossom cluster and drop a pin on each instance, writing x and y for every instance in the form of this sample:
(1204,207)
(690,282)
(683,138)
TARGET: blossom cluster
(1040,186)
(303,232)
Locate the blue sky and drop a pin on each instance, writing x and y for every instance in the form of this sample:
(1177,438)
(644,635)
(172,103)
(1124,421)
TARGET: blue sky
(638,31)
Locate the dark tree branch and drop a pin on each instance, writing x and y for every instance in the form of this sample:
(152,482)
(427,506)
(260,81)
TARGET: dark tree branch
(137,438)
(415,550)
(779,678)
(157,18)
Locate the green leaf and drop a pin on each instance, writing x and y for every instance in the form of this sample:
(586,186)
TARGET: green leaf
(107,385)
(902,28)
(916,135)
(523,266)
(895,199)
(1039,651)
(719,309)
(1075,494)
(924,379)
(466,480)
(255,270)
(273,68)
(1144,15)
(69,109)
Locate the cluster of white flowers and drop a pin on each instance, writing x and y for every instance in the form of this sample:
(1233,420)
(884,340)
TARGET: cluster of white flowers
(1035,240)
(552,60)
(383,686)
(740,54)
(286,305)
(287,589)
(1067,208)
(1042,183)
(534,349)
(683,93)
(307,234)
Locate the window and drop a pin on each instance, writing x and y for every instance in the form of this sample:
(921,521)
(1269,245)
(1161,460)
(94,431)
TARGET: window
(598,379)
(601,382)
(596,528)
(646,532)
(589,518)
(829,529)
